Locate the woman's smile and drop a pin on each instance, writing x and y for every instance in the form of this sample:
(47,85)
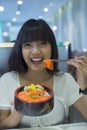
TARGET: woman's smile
(36,61)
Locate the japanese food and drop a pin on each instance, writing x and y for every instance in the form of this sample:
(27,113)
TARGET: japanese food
(48,63)
(34,99)
(33,93)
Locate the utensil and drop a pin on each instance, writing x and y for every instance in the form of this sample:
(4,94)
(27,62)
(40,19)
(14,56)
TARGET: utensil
(48,63)
(58,60)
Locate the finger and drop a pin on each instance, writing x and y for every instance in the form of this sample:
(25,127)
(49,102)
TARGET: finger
(73,63)
(84,58)
(80,60)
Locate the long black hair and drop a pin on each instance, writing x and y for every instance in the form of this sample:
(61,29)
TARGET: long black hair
(32,30)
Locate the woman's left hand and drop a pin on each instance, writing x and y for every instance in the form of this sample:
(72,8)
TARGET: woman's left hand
(80,63)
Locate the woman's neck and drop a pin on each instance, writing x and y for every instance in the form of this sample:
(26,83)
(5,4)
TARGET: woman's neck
(36,77)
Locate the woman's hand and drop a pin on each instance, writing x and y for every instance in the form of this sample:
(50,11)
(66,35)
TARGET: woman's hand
(80,63)
(9,119)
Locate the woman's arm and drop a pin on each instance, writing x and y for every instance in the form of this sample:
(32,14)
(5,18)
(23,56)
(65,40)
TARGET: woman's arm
(81,106)
(80,63)
(8,119)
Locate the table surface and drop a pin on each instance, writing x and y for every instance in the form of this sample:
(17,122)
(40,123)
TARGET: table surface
(73,126)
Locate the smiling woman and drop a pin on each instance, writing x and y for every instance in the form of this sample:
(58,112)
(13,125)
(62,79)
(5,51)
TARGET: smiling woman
(26,66)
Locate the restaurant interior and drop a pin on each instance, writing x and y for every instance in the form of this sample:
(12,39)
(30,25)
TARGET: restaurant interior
(68,20)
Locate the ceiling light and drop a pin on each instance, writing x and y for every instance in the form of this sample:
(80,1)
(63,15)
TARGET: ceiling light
(19,2)
(54,28)
(51,4)
(40,17)
(45,9)
(8,24)
(84,50)
(18,12)
(14,19)
(5,34)
(1,8)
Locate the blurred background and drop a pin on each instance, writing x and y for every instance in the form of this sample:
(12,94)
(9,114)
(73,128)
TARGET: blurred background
(67,18)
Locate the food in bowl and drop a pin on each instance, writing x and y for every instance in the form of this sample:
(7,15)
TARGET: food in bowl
(34,99)
(34,93)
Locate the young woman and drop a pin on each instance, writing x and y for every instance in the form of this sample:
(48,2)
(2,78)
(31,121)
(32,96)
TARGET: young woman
(36,42)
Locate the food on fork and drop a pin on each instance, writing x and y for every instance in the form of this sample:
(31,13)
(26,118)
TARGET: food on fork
(48,63)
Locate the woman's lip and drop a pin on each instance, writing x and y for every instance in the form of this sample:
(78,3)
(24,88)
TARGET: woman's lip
(36,59)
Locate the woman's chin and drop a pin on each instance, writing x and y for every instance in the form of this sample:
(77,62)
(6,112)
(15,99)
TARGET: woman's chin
(38,69)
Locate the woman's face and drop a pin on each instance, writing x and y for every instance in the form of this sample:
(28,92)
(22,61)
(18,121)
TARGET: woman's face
(34,53)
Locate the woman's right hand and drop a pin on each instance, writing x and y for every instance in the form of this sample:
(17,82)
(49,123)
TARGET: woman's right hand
(8,119)
(80,63)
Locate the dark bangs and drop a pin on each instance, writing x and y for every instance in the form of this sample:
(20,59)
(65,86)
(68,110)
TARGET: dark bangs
(35,34)
(35,30)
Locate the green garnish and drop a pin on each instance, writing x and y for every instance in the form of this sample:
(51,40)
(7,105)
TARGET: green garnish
(26,88)
(35,96)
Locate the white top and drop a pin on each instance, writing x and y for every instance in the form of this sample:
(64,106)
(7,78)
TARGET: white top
(66,92)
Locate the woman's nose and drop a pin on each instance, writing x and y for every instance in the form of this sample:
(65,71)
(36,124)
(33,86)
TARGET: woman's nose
(35,49)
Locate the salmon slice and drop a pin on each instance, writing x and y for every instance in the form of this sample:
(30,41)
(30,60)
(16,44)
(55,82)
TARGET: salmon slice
(48,63)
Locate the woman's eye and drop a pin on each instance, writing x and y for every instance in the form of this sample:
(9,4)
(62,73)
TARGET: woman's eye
(26,44)
(43,42)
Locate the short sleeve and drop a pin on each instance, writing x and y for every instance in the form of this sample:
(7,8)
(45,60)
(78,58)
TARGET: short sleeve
(8,84)
(4,94)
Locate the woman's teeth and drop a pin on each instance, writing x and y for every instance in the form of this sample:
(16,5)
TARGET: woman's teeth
(38,59)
